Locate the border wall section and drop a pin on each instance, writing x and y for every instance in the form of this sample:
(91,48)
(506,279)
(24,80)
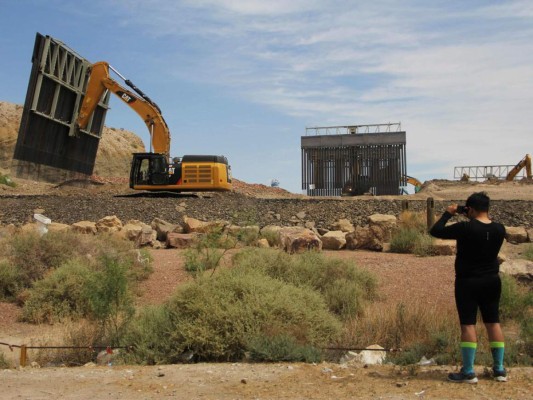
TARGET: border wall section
(354,160)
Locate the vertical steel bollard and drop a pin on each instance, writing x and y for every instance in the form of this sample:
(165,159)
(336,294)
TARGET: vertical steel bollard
(430,212)
(23,355)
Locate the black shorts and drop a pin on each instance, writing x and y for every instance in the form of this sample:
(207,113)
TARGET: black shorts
(479,292)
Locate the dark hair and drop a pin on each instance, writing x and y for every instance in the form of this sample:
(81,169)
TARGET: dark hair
(478,201)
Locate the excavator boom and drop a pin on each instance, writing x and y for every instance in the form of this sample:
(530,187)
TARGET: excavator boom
(524,163)
(100,81)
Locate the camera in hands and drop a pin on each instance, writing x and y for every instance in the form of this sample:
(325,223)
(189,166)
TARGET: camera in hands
(462,210)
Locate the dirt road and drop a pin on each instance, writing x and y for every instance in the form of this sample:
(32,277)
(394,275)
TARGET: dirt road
(255,381)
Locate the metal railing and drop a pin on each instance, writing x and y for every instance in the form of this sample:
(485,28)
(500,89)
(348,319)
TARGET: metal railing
(484,172)
(354,129)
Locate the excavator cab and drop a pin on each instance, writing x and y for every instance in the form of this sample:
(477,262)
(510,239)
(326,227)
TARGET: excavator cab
(149,169)
(152,171)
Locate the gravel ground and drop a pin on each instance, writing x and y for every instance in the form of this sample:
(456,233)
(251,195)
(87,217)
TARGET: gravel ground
(238,208)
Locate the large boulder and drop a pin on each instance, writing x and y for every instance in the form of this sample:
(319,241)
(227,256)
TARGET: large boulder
(132,230)
(343,225)
(298,240)
(58,227)
(375,235)
(368,237)
(516,234)
(181,240)
(386,223)
(351,240)
(84,227)
(148,236)
(109,224)
(195,225)
(163,228)
(333,240)
(444,247)
(375,355)
(519,268)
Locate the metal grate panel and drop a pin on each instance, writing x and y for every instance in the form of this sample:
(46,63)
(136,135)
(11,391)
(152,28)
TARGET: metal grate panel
(49,147)
(362,163)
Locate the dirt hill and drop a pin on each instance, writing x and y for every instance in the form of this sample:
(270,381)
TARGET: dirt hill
(114,153)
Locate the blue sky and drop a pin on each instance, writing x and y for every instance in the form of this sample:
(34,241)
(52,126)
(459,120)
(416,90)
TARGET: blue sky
(244,78)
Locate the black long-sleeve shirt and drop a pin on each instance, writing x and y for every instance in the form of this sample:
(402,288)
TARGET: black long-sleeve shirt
(478,245)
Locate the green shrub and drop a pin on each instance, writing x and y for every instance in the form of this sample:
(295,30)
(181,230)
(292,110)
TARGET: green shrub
(272,237)
(526,334)
(411,235)
(410,240)
(248,235)
(33,254)
(410,356)
(281,348)
(208,252)
(29,257)
(345,288)
(110,299)
(60,295)
(416,221)
(4,364)
(516,300)
(404,240)
(142,265)
(10,280)
(6,180)
(149,332)
(424,246)
(81,288)
(218,318)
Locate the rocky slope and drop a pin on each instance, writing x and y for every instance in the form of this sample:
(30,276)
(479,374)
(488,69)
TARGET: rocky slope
(233,207)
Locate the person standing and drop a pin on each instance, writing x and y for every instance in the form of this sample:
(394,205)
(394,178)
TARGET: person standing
(477,280)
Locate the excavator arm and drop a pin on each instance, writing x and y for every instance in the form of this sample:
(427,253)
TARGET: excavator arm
(100,81)
(415,182)
(525,162)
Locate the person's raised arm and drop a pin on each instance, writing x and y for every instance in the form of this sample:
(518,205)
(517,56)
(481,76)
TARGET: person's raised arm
(441,231)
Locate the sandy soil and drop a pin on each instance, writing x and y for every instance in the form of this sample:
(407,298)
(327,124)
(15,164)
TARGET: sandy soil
(254,381)
(401,277)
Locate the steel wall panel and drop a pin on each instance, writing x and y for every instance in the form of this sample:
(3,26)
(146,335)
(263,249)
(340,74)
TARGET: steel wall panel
(49,147)
(373,163)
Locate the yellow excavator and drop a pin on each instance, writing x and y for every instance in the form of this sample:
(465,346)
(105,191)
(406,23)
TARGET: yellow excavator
(154,171)
(524,163)
(415,182)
